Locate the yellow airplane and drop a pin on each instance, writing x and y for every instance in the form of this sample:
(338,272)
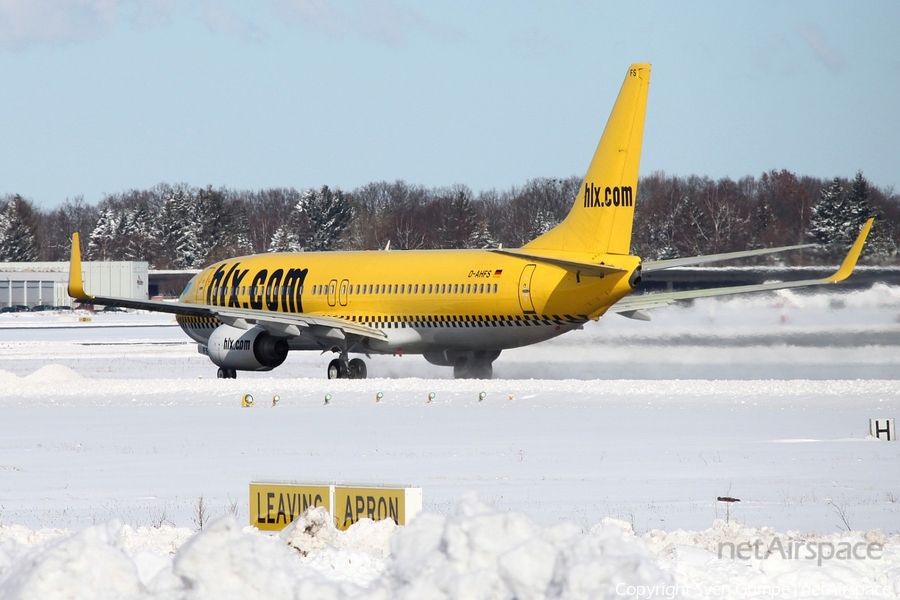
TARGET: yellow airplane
(458,308)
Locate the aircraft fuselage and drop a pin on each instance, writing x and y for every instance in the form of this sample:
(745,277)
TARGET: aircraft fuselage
(425,301)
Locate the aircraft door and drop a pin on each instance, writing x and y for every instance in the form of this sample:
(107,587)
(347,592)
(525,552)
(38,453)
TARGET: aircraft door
(525,300)
(332,292)
(343,296)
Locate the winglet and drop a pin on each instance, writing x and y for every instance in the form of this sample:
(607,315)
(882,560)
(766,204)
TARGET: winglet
(852,256)
(76,281)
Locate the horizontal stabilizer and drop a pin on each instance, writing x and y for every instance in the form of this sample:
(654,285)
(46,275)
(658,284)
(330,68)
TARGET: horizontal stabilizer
(585,268)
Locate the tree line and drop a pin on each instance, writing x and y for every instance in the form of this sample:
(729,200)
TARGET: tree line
(184,227)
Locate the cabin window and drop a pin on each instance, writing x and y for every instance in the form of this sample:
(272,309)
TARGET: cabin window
(417,289)
(429,287)
(455,288)
(495,288)
(468,288)
(403,289)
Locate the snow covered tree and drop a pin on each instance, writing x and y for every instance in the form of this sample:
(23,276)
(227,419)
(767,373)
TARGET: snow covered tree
(138,231)
(456,219)
(178,230)
(858,201)
(481,237)
(18,231)
(102,240)
(317,221)
(224,231)
(284,240)
(266,212)
(831,216)
(57,226)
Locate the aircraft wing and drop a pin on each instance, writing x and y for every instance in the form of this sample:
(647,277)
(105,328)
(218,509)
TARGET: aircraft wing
(632,306)
(277,323)
(658,265)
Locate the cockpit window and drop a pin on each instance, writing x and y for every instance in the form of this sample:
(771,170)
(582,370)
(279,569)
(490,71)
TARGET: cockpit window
(187,288)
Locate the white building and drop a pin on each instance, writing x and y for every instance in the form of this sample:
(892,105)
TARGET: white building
(44,283)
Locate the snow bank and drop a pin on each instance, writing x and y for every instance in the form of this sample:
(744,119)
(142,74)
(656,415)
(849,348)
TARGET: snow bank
(7,379)
(53,373)
(89,564)
(480,553)
(741,561)
(475,552)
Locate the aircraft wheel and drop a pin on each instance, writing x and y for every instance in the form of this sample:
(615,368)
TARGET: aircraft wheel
(472,369)
(337,369)
(357,369)
(482,371)
(460,370)
(226,374)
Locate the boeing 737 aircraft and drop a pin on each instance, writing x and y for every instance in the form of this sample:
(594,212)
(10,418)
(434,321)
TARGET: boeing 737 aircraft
(458,308)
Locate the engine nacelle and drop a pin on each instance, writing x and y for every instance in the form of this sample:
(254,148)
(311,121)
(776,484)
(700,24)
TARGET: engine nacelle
(253,349)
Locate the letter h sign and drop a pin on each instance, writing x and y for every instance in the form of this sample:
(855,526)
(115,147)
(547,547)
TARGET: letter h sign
(882,429)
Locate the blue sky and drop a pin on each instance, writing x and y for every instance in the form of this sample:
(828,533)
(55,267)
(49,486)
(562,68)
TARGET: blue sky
(101,96)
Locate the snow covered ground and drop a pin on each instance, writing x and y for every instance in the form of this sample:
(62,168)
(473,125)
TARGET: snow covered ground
(592,466)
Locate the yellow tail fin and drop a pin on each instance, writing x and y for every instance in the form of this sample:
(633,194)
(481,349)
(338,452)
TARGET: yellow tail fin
(602,215)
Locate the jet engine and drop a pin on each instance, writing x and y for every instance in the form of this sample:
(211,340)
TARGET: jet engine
(253,349)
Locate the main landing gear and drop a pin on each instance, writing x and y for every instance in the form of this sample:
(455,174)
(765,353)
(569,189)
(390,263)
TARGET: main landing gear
(227,374)
(471,368)
(341,368)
